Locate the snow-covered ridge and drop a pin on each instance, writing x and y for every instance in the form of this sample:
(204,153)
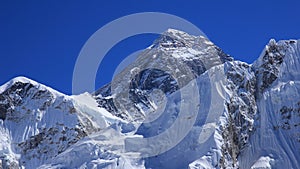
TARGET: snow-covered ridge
(270,64)
(276,138)
(38,123)
(247,115)
(25,80)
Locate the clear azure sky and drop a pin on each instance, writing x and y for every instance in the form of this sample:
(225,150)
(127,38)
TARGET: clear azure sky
(42,39)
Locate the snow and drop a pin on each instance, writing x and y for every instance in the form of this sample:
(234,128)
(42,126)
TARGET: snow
(88,101)
(23,79)
(199,140)
(275,134)
(263,163)
(102,150)
(184,129)
(46,115)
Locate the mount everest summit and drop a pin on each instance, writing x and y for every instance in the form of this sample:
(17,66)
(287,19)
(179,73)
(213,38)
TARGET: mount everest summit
(183,103)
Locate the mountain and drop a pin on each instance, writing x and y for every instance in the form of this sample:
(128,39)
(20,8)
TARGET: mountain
(189,56)
(183,103)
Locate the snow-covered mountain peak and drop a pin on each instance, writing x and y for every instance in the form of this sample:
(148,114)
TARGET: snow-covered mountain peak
(22,79)
(245,116)
(172,31)
(37,122)
(19,79)
(276,55)
(179,35)
(23,83)
(173,39)
(174,52)
(274,49)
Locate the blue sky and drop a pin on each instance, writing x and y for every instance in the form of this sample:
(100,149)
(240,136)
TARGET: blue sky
(42,39)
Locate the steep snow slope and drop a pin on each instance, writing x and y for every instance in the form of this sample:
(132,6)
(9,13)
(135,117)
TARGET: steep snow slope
(234,124)
(38,123)
(231,95)
(277,135)
(182,104)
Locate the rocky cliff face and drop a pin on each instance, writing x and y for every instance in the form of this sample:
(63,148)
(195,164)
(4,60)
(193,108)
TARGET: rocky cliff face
(239,116)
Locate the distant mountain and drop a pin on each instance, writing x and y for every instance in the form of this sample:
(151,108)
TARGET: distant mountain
(183,103)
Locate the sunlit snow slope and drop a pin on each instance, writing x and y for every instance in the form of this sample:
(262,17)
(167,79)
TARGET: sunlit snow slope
(183,103)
